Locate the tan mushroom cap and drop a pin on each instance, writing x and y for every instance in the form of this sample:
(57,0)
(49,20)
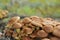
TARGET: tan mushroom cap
(27,30)
(26,20)
(14,34)
(48,28)
(54,38)
(26,38)
(17,25)
(33,35)
(13,20)
(56,31)
(45,39)
(42,33)
(4,13)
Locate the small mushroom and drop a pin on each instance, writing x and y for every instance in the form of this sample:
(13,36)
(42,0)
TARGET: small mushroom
(42,33)
(54,38)
(27,30)
(17,25)
(26,20)
(45,39)
(13,20)
(48,28)
(8,33)
(56,31)
(14,35)
(33,35)
(26,38)
(4,13)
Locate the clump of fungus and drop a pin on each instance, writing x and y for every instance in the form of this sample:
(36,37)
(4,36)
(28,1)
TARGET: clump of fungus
(33,27)
(3,13)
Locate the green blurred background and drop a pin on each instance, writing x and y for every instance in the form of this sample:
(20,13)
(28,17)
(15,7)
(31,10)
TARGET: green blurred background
(43,8)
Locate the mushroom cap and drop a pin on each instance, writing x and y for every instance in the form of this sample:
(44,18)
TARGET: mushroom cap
(45,39)
(56,31)
(42,33)
(13,20)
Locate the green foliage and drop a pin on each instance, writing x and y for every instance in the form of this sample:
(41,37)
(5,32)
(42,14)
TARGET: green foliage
(32,7)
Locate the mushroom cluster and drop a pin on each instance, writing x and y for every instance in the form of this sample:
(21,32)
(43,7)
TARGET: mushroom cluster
(33,28)
(3,13)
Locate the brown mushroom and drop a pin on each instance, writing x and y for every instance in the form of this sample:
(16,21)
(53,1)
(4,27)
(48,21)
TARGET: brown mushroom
(27,30)
(17,25)
(54,38)
(33,35)
(26,20)
(26,38)
(14,34)
(56,31)
(36,21)
(8,33)
(45,39)
(42,33)
(48,28)
(13,20)
(4,13)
